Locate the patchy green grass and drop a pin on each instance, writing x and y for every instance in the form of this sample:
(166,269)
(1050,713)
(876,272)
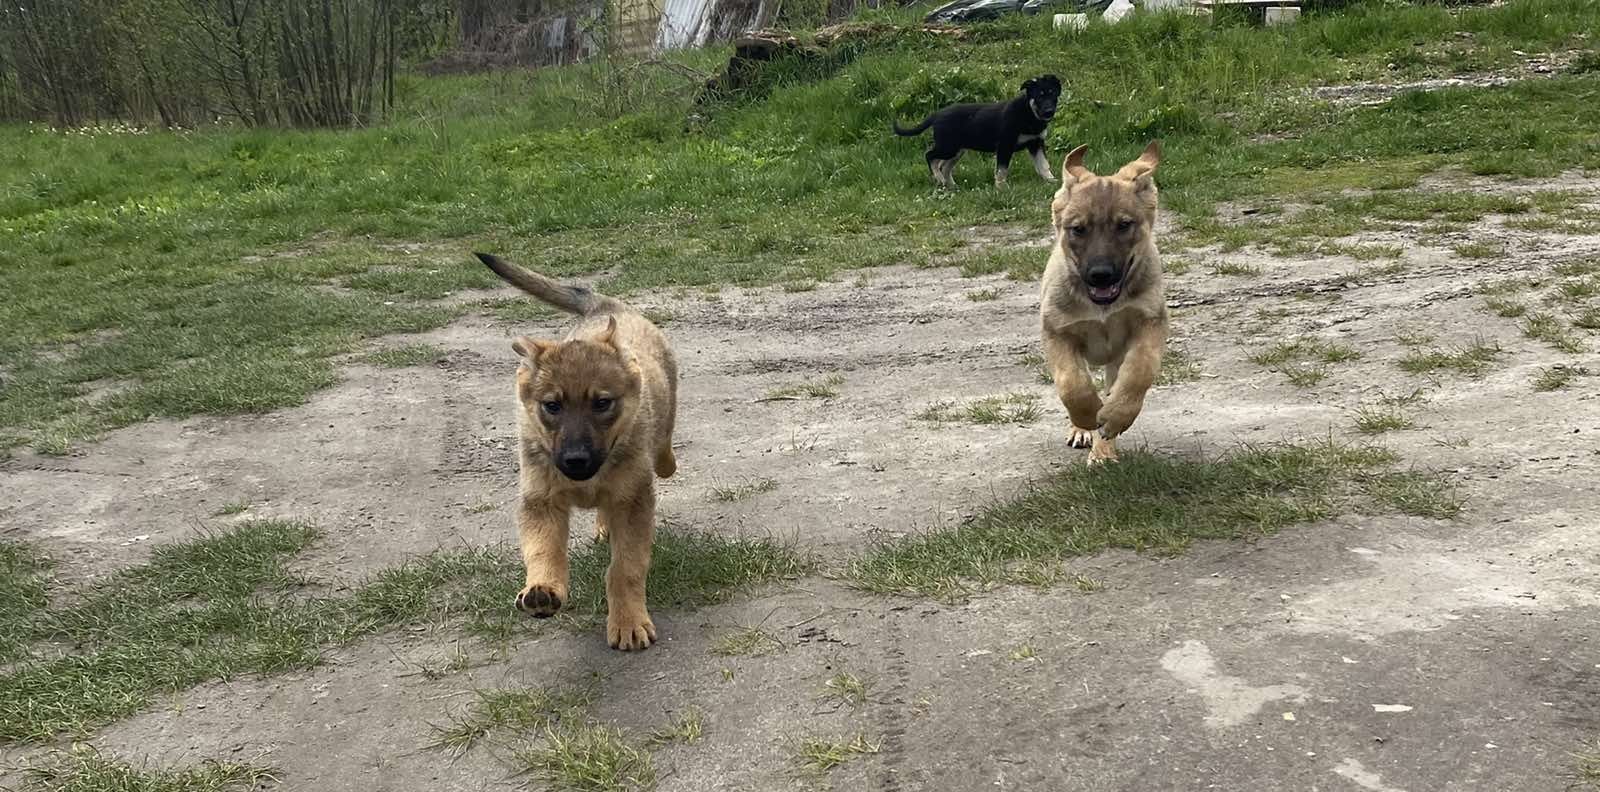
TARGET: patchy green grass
(1304,361)
(1505,307)
(1018,263)
(749,488)
(821,754)
(825,388)
(686,727)
(588,757)
(230,509)
(1479,250)
(1235,269)
(1557,377)
(84,769)
(1024,654)
(1177,366)
(404,356)
(846,688)
(1586,766)
(1306,375)
(1549,329)
(1588,319)
(1472,360)
(1380,419)
(984,295)
(225,604)
(1011,408)
(1148,503)
(515,710)
(1041,371)
(1379,272)
(746,642)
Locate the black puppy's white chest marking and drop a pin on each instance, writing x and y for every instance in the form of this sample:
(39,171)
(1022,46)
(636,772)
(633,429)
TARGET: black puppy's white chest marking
(1021,139)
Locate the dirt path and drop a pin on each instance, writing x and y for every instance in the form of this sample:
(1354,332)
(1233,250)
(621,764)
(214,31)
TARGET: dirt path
(1361,653)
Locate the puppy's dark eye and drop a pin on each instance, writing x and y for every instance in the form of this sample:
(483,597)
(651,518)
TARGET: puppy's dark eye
(552,407)
(1079,229)
(1123,225)
(601,405)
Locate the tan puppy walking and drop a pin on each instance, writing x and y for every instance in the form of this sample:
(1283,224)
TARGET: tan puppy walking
(595,417)
(1102,301)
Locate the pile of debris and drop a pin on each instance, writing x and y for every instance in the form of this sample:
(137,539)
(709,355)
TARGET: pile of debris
(753,49)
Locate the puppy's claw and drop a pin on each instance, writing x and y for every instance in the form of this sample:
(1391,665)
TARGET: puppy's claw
(540,602)
(630,634)
(1078,437)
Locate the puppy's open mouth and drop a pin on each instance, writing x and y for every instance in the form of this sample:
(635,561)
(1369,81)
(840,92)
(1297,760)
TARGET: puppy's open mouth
(1105,295)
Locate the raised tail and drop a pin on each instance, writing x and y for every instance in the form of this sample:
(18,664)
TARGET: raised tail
(916,130)
(572,299)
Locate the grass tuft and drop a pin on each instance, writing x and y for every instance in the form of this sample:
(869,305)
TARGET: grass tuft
(516,710)
(588,757)
(1557,377)
(846,688)
(1011,408)
(1472,360)
(746,642)
(825,388)
(1304,361)
(729,493)
(1505,307)
(820,754)
(687,727)
(1586,766)
(1147,503)
(1380,419)
(1545,327)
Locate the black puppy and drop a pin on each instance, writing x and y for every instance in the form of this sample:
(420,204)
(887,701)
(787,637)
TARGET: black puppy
(1000,127)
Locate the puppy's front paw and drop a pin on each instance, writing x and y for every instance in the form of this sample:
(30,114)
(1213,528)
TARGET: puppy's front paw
(630,629)
(1116,416)
(541,602)
(1078,437)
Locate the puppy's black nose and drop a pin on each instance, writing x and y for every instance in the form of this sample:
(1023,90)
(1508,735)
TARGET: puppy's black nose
(577,465)
(1101,275)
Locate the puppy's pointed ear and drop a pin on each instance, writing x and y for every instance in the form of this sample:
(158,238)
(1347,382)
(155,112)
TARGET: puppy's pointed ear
(1145,164)
(1072,170)
(1141,170)
(1028,84)
(531,349)
(608,335)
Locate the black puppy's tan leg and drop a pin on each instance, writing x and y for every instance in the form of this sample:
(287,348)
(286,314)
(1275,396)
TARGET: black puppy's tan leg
(1041,165)
(542,533)
(1137,372)
(1002,164)
(632,522)
(1074,387)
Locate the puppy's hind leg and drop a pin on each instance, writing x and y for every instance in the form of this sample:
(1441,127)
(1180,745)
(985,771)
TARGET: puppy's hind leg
(942,163)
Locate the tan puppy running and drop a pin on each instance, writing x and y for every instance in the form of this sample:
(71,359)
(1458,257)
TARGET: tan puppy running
(595,416)
(1102,302)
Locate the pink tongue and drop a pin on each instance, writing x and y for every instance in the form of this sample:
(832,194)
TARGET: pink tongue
(1103,294)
